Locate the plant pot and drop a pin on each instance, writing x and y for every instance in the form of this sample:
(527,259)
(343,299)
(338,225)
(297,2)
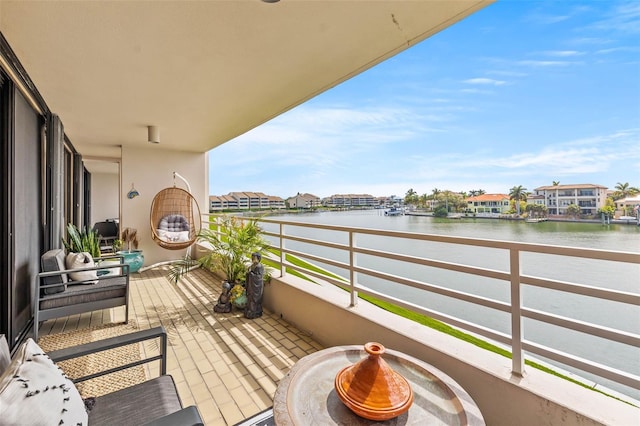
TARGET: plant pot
(133,258)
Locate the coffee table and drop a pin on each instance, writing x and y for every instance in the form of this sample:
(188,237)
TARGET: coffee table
(306,395)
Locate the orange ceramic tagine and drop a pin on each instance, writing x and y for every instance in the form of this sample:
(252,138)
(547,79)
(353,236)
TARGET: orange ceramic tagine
(371,389)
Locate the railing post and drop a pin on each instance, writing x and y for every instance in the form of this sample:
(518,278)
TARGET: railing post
(282,255)
(517,359)
(353,275)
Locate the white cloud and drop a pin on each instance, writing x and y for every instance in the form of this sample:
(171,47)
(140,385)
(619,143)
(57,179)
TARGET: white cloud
(485,81)
(564,53)
(532,63)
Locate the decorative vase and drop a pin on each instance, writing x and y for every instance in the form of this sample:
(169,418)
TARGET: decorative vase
(239,296)
(372,389)
(133,258)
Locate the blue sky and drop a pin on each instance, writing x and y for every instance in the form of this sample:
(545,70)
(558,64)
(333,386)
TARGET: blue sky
(520,93)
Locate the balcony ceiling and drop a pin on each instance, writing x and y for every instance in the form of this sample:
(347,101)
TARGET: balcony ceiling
(204,72)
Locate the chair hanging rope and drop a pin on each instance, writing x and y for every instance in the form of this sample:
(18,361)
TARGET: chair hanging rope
(175,218)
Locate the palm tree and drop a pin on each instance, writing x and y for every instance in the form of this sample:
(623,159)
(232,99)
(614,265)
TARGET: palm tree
(556,182)
(518,193)
(411,197)
(435,193)
(623,190)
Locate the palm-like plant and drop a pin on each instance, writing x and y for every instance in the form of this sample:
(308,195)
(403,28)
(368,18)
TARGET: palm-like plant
(518,193)
(82,240)
(231,249)
(624,190)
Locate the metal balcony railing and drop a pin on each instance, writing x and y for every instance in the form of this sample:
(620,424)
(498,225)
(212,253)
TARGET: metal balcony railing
(351,250)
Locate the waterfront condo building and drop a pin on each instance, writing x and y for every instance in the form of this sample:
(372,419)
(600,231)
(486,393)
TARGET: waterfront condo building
(587,196)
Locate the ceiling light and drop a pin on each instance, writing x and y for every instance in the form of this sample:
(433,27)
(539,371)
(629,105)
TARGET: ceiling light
(154,134)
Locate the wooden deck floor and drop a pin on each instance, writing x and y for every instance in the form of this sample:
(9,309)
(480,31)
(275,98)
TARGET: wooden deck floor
(225,364)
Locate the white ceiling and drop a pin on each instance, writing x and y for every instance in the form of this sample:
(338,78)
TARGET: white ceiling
(204,72)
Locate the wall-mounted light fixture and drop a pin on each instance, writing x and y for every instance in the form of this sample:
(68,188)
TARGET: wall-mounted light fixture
(154,134)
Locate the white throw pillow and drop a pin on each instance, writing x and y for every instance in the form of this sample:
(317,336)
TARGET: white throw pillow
(81,260)
(5,355)
(173,236)
(34,391)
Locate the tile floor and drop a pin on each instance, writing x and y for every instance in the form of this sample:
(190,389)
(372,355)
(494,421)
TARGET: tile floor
(225,364)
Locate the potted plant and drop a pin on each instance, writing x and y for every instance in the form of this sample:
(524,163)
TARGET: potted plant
(133,257)
(82,246)
(230,253)
(82,241)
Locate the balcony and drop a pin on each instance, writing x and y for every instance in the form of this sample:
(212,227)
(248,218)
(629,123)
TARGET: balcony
(229,367)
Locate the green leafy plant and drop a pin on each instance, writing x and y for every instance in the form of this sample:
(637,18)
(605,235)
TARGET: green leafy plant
(118,244)
(231,249)
(82,240)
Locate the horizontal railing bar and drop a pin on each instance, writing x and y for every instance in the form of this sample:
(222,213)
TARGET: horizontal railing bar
(454,322)
(616,375)
(514,252)
(583,327)
(585,290)
(457,267)
(615,256)
(331,262)
(342,284)
(467,297)
(337,246)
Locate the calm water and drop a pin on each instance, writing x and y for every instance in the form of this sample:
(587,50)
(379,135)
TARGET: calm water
(595,273)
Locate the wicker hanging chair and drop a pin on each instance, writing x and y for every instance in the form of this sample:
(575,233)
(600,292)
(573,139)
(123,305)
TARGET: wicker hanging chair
(175,219)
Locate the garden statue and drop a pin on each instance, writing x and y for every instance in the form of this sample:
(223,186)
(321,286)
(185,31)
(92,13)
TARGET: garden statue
(224,301)
(254,287)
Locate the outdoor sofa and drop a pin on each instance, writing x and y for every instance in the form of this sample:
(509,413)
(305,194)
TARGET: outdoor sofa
(34,391)
(57,295)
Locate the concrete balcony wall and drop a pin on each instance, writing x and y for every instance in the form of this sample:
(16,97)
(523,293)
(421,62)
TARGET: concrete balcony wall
(536,399)
(150,170)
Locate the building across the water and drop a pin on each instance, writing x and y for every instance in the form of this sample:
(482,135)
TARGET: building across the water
(245,201)
(587,196)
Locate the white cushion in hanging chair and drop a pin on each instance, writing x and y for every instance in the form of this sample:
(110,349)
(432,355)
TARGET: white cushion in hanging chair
(173,228)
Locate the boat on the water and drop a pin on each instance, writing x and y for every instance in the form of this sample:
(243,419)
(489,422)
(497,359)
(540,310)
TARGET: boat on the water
(535,219)
(394,211)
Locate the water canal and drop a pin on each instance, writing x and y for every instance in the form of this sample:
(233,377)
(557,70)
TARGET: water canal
(616,237)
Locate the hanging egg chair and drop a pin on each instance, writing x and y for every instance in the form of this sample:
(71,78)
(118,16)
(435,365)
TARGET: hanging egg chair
(175,218)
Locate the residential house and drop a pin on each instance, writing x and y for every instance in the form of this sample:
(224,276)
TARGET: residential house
(588,197)
(488,204)
(628,204)
(303,201)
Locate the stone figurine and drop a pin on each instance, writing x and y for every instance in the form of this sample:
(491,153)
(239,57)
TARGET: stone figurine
(254,287)
(224,301)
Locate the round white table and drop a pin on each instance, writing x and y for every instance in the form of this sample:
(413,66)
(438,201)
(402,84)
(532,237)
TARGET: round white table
(306,395)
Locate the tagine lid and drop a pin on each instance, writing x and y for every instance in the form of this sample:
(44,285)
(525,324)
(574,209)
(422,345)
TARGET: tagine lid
(372,389)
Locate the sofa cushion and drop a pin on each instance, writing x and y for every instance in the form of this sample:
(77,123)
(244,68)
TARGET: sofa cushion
(81,260)
(53,261)
(174,223)
(5,354)
(34,391)
(138,404)
(107,287)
